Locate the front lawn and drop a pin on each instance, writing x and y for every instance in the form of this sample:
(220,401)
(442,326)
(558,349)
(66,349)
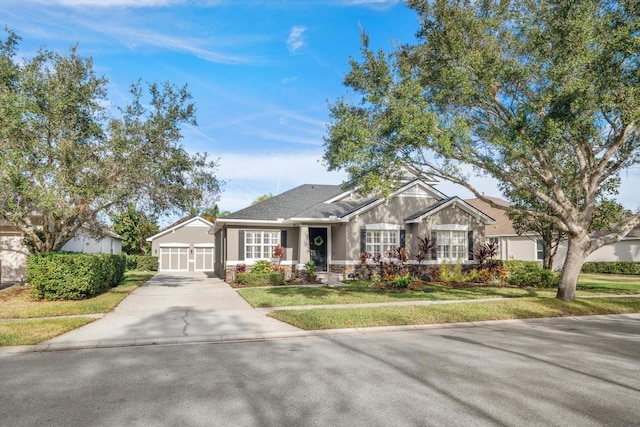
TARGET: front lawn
(608,282)
(17,303)
(29,332)
(522,308)
(359,293)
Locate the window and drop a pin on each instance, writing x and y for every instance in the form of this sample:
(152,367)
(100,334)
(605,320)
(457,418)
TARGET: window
(451,245)
(381,242)
(260,244)
(539,249)
(495,241)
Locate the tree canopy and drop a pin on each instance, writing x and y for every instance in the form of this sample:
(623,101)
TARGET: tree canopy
(542,95)
(134,226)
(68,160)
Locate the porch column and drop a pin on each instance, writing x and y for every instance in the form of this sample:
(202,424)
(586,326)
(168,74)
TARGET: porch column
(303,248)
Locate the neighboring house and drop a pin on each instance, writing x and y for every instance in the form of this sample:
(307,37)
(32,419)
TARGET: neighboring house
(627,249)
(528,247)
(333,227)
(525,247)
(14,253)
(185,245)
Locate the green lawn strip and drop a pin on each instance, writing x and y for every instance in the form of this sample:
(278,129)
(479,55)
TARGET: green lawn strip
(16,304)
(293,296)
(610,283)
(29,332)
(522,308)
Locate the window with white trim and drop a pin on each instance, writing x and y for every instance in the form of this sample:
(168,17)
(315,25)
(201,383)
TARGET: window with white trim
(451,245)
(539,249)
(260,244)
(381,242)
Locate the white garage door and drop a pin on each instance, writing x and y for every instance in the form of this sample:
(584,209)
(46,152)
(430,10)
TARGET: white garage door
(174,259)
(203,259)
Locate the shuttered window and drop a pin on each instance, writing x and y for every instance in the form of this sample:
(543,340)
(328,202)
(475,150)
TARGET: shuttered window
(260,244)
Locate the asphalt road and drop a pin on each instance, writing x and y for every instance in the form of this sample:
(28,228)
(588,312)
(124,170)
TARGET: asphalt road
(566,372)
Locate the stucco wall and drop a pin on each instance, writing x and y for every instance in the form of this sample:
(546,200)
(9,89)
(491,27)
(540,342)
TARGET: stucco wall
(624,250)
(291,248)
(83,242)
(13,256)
(193,233)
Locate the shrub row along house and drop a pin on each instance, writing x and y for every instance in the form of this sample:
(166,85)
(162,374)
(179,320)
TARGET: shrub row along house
(333,227)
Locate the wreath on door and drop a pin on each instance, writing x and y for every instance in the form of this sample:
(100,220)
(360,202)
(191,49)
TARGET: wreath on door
(318,241)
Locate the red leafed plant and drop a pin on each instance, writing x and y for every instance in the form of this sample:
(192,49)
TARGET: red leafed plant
(278,252)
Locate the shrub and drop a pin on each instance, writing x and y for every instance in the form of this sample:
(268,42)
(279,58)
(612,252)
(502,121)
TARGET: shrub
(252,279)
(141,263)
(310,266)
(241,268)
(59,275)
(401,281)
(261,266)
(613,267)
(533,275)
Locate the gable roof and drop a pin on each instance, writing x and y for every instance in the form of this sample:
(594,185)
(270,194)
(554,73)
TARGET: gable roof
(443,204)
(312,202)
(182,222)
(503,226)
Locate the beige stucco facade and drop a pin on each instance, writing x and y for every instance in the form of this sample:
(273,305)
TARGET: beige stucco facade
(186,246)
(344,235)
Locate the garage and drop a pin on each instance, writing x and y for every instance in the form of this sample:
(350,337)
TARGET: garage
(186,245)
(203,257)
(174,258)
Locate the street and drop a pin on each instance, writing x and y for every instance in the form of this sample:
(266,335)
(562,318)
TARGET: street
(546,372)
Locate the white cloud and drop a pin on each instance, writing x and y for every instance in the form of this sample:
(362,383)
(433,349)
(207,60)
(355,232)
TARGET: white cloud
(296,38)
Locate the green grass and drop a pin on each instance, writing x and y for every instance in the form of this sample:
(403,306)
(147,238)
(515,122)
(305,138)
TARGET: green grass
(17,303)
(292,296)
(359,292)
(522,308)
(609,282)
(29,332)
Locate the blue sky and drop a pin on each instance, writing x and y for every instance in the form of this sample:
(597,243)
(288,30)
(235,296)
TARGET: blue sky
(261,73)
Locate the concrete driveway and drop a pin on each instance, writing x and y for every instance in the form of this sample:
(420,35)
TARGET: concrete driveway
(180,308)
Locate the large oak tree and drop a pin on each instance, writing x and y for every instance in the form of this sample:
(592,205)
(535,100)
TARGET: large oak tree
(541,95)
(67,160)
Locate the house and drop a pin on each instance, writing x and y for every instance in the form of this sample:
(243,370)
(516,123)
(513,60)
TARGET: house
(185,245)
(626,249)
(333,227)
(14,253)
(525,247)
(528,246)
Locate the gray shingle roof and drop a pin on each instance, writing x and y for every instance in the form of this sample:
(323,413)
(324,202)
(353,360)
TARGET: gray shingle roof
(305,201)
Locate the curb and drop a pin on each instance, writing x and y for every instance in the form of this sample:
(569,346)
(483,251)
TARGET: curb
(267,336)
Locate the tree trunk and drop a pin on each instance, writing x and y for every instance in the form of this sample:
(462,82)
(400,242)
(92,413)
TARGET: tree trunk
(576,255)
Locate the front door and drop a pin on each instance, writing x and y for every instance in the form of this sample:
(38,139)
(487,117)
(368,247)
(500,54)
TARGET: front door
(318,247)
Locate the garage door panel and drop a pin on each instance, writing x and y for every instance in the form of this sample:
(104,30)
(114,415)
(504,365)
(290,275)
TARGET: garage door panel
(174,259)
(204,258)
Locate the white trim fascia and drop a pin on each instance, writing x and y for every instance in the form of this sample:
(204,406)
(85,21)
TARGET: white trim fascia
(174,245)
(175,227)
(383,226)
(462,204)
(251,221)
(204,245)
(339,196)
(450,227)
(310,221)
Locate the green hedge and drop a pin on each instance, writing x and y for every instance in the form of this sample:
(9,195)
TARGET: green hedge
(273,278)
(515,265)
(71,276)
(530,273)
(142,263)
(613,267)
